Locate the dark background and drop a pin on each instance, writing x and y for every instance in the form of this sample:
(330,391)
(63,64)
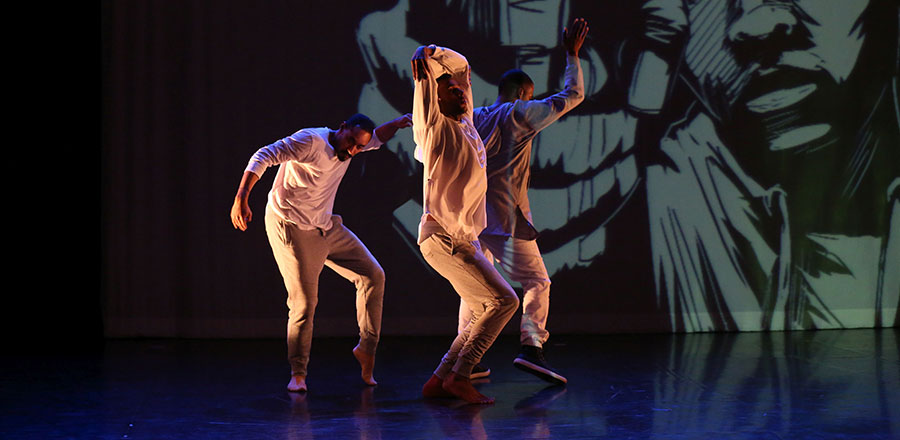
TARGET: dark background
(189,90)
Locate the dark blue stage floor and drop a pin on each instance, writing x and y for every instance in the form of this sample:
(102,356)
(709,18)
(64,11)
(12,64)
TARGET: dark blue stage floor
(838,384)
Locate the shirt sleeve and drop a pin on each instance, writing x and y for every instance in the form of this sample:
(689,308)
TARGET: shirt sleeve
(297,147)
(541,113)
(457,66)
(374,143)
(426,111)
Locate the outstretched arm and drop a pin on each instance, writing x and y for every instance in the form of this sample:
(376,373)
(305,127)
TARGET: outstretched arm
(240,209)
(540,114)
(573,38)
(294,147)
(425,89)
(386,131)
(424,95)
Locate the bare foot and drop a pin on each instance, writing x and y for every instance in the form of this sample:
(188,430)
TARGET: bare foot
(367,364)
(433,388)
(297,384)
(462,387)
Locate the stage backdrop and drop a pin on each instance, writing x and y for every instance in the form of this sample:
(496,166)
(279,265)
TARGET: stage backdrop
(734,166)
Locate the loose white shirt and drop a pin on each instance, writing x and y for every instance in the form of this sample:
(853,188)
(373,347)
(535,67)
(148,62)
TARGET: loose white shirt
(308,176)
(455,181)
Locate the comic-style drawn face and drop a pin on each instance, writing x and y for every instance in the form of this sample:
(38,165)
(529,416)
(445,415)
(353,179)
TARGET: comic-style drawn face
(776,66)
(786,101)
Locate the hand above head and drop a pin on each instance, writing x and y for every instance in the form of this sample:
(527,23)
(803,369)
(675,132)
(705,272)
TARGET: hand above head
(573,38)
(419,62)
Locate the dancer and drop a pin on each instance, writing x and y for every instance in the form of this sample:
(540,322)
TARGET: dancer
(507,128)
(454,186)
(305,235)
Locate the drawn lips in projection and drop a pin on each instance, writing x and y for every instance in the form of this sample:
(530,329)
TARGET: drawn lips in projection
(787,102)
(777,90)
(785,114)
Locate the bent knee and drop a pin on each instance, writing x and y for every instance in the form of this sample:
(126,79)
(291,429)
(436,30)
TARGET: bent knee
(509,301)
(536,285)
(374,277)
(301,312)
(378,275)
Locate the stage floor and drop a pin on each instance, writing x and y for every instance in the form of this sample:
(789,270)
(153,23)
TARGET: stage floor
(835,384)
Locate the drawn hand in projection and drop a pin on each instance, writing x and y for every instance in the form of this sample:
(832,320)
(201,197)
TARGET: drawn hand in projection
(658,47)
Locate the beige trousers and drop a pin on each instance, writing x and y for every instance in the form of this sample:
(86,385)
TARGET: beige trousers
(522,262)
(484,291)
(300,255)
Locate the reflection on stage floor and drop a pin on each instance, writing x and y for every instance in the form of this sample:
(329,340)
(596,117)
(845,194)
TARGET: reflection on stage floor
(835,384)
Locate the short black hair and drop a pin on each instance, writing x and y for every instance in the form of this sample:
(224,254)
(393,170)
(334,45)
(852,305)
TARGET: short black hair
(362,121)
(512,81)
(443,77)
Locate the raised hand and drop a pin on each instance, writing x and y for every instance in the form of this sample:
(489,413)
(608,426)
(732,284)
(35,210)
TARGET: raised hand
(574,38)
(419,62)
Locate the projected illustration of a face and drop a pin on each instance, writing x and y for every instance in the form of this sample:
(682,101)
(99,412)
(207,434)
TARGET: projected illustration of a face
(790,86)
(787,135)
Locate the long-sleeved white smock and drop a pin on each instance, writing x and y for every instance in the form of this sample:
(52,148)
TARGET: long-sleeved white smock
(453,155)
(308,176)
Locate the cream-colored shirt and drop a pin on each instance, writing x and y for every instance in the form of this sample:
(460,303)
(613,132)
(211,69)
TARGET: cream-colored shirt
(455,181)
(308,176)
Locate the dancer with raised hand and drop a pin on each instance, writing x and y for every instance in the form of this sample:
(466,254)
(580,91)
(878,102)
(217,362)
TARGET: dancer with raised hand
(507,128)
(454,186)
